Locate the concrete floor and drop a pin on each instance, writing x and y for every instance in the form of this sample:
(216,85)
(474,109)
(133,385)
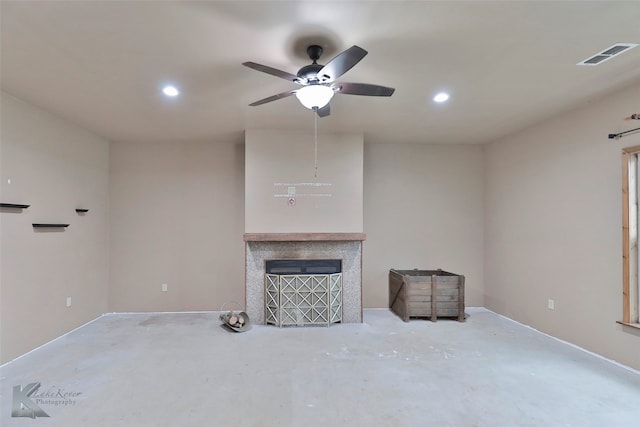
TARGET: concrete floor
(186,370)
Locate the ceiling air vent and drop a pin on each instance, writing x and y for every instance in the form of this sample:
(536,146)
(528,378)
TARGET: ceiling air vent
(607,54)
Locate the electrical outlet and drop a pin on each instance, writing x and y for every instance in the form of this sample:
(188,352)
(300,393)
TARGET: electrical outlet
(165,288)
(68,301)
(551,304)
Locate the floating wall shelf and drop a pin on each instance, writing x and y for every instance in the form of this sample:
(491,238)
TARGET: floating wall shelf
(82,210)
(13,206)
(50,225)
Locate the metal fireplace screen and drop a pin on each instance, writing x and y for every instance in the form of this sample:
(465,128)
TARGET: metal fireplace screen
(303,299)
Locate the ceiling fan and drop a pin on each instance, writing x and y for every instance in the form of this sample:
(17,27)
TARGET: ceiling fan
(318,81)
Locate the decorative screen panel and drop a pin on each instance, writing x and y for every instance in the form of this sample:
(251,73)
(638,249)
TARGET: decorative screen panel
(306,299)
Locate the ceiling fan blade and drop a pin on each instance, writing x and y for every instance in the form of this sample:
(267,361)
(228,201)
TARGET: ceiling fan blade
(341,64)
(272,71)
(324,111)
(273,98)
(363,89)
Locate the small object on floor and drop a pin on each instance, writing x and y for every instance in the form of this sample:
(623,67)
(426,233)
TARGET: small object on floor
(238,322)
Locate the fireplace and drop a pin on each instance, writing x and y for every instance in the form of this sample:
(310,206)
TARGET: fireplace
(312,251)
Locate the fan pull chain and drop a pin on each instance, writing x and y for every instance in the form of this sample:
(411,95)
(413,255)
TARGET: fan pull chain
(315,152)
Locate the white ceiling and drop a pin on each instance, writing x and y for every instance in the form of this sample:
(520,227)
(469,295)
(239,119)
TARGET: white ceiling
(507,65)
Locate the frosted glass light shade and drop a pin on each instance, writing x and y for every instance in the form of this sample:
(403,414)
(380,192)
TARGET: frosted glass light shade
(313,96)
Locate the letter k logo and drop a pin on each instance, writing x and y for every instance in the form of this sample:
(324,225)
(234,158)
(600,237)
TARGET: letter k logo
(22,405)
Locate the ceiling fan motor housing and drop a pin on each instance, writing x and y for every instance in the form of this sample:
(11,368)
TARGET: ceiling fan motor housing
(309,73)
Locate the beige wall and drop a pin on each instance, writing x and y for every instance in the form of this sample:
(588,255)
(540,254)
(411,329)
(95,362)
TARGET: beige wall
(177,217)
(553,227)
(423,208)
(288,157)
(531,217)
(55,167)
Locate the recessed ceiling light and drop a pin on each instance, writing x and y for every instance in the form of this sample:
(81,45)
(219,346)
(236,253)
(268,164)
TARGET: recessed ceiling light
(441,97)
(170,91)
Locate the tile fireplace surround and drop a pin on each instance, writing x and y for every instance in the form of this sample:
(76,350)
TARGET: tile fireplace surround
(261,247)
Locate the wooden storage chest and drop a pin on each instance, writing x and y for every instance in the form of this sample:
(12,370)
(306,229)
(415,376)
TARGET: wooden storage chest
(411,294)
